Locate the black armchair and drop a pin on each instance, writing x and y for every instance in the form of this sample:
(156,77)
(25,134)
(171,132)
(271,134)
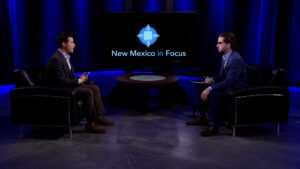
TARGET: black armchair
(37,105)
(266,100)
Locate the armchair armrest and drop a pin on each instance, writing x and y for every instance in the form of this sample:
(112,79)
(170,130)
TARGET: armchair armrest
(43,105)
(258,90)
(44,90)
(261,104)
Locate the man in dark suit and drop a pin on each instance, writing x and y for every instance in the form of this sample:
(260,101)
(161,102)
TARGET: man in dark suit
(232,75)
(60,72)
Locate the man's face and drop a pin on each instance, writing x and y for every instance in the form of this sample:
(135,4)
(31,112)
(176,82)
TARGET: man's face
(70,45)
(222,46)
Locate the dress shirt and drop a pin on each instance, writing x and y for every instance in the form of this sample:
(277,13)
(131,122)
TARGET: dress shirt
(225,59)
(67,57)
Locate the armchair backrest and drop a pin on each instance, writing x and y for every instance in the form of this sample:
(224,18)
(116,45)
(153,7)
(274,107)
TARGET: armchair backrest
(263,75)
(28,77)
(278,77)
(22,78)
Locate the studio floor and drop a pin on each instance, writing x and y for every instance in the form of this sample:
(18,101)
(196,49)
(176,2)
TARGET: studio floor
(157,139)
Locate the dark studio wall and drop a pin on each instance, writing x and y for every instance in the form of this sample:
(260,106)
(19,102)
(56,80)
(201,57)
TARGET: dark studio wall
(267,30)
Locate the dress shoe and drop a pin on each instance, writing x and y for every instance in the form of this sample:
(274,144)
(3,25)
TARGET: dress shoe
(103,121)
(198,121)
(93,128)
(210,131)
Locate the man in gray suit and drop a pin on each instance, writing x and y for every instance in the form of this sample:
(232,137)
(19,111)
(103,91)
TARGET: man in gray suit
(232,75)
(60,72)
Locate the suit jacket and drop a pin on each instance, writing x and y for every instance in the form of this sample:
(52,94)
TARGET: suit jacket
(58,72)
(234,74)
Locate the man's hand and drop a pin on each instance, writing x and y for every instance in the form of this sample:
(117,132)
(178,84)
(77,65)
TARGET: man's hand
(209,80)
(84,77)
(205,94)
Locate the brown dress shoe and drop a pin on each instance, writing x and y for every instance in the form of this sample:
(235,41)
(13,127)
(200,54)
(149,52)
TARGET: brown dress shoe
(210,131)
(93,128)
(103,121)
(198,121)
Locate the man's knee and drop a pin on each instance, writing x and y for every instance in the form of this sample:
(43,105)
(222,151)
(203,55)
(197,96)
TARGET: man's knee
(95,88)
(85,92)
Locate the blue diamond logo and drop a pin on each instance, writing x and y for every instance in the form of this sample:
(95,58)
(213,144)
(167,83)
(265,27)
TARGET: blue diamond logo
(148,35)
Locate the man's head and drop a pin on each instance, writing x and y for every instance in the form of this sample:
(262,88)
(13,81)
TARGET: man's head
(226,42)
(65,42)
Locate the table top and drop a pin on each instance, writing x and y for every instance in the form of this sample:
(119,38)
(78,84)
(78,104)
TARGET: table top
(148,79)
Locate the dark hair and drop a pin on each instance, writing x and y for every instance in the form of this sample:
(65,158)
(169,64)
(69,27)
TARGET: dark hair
(63,37)
(229,37)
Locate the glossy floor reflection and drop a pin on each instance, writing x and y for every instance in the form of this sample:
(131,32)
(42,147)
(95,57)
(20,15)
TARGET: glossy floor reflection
(158,139)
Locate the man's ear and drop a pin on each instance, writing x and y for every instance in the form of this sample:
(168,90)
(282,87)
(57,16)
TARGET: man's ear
(229,45)
(63,44)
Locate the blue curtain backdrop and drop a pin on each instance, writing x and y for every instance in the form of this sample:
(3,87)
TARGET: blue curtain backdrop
(268,30)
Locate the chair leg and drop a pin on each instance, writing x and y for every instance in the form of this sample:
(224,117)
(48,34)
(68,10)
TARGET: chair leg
(70,131)
(21,130)
(233,131)
(278,129)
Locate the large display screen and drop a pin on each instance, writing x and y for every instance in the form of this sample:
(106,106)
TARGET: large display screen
(147,40)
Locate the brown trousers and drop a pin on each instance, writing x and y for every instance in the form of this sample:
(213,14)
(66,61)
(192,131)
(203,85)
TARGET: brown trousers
(92,103)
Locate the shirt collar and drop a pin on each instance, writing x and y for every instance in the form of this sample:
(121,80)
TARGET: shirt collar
(225,57)
(67,57)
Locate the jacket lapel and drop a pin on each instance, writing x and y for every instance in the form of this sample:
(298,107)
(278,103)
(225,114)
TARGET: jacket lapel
(224,67)
(228,61)
(66,66)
